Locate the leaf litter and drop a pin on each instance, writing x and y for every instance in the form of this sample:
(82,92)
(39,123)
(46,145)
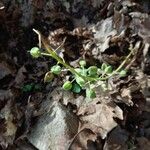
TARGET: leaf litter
(99,32)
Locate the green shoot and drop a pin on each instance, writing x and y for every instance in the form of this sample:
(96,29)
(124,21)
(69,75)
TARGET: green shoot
(82,76)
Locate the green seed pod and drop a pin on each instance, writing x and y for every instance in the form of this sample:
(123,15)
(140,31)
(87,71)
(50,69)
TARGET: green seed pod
(90,93)
(76,88)
(35,52)
(56,69)
(80,81)
(108,70)
(67,85)
(48,77)
(82,63)
(123,73)
(92,71)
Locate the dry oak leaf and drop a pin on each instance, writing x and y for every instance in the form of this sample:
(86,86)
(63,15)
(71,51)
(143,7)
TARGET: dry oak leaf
(100,117)
(84,140)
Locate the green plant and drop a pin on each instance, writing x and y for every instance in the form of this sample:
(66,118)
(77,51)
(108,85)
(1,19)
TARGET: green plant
(30,87)
(84,78)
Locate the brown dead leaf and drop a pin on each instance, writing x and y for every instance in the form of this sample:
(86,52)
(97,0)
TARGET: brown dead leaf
(126,96)
(73,44)
(143,144)
(117,140)
(10,115)
(20,77)
(5,70)
(10,128)
(100,117)
(38,3)
(123,89)
(84,140)
(5,95)
(68,97)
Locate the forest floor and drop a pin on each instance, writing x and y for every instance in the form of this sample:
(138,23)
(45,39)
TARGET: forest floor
(38,115)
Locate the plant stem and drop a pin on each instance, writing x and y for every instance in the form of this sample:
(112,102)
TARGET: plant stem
(53,54)
(46,54)
(121,65)
(59,59)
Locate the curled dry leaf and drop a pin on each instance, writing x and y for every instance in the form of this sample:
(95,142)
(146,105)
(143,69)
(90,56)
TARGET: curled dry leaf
(84,140)
(100,117)
(20,77)
(5,70)
(122,89)
(117,139)
(10,114)
(126,96)
(142,143)
(8,136)
(68,97)
(73,43)
(5,95)
(103,31)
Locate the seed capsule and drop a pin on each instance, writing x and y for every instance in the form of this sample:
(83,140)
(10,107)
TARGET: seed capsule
(48,77)
(56,69)
(123,73)
(67,85)
(35,52)
(82,63)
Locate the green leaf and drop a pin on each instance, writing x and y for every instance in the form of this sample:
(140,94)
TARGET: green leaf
(90,93)
(76,88)
(123,73)
(103,66)
(80,81)
(108,70)
(28,87)
(99,71)
(56,69)
(35,52)
(92,70)
(78,70)
(37,87)
(81,71)
(67,85)
(82,63)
